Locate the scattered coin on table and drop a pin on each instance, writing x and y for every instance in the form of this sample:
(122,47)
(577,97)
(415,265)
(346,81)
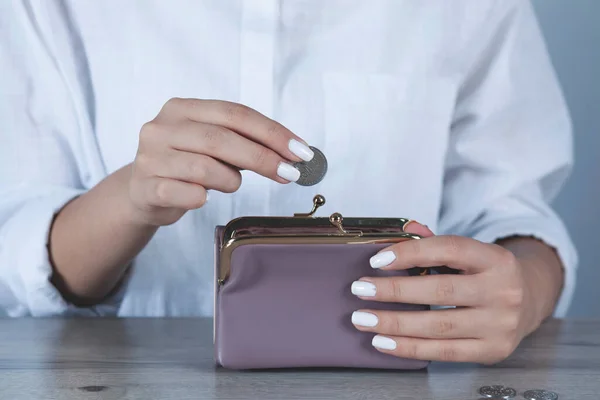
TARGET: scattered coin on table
(540,394)
(497,391)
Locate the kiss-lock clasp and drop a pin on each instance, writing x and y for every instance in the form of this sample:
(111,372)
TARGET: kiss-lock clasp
(337,220)
(318,201)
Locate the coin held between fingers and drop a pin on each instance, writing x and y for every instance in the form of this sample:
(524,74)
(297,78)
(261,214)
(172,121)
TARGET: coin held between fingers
(313,171)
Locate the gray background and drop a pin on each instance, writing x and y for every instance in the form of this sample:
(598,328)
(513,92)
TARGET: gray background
(572,34)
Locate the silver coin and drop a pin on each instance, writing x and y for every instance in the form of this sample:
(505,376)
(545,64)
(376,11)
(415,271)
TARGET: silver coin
(313,171)
(497,391)
(539,394)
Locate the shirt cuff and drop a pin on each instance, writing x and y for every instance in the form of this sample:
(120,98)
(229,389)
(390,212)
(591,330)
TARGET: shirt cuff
(25,256)
(551,233)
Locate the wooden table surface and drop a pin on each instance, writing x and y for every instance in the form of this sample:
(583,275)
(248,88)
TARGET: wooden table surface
(172,359)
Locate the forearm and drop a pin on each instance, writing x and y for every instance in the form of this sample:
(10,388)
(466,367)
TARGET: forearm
(94,238)
(544,275)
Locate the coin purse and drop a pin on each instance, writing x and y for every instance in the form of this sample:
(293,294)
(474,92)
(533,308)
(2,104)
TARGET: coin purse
(282,294)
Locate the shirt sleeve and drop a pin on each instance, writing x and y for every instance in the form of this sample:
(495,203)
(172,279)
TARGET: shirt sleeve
(510,147)
(40,164)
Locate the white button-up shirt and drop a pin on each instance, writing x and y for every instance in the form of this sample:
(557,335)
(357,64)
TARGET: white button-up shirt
(448,113)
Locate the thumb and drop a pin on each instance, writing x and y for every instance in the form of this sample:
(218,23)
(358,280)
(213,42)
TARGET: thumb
(418,229)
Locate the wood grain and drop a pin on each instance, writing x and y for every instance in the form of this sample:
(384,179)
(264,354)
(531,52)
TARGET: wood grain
(172,359)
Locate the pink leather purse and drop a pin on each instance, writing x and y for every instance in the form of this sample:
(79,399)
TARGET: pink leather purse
(282,294)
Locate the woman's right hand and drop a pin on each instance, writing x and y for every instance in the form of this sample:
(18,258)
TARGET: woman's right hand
(196,145)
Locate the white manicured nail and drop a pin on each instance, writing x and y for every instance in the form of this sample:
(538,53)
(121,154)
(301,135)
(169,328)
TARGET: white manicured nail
(382,259)
(384,343)
(301,150)
(362,318)
(288,172)
(362,288)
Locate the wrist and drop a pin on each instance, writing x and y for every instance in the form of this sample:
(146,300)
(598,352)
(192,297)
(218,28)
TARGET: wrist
(542,274)
(540,303)
(544,282)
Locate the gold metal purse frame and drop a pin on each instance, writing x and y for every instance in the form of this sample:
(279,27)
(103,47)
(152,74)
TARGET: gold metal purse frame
(349,231)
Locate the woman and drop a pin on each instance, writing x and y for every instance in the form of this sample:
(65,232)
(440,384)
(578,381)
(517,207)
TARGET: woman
(117,123)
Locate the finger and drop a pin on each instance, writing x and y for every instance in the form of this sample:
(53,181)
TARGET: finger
(443,324)
(457,252)
(245,121)
(452,350)
(199,169)
(163,192)
(438,290)
(418,229)
(227,146)
(424,231)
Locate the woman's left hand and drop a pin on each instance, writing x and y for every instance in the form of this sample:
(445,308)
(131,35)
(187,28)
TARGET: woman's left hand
(494,307)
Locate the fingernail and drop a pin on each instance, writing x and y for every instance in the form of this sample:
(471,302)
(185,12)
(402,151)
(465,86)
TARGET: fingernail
(382,259)
(301,150)
(362,318)
(288,172)
(362,288)
(207,196)
(384,343)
